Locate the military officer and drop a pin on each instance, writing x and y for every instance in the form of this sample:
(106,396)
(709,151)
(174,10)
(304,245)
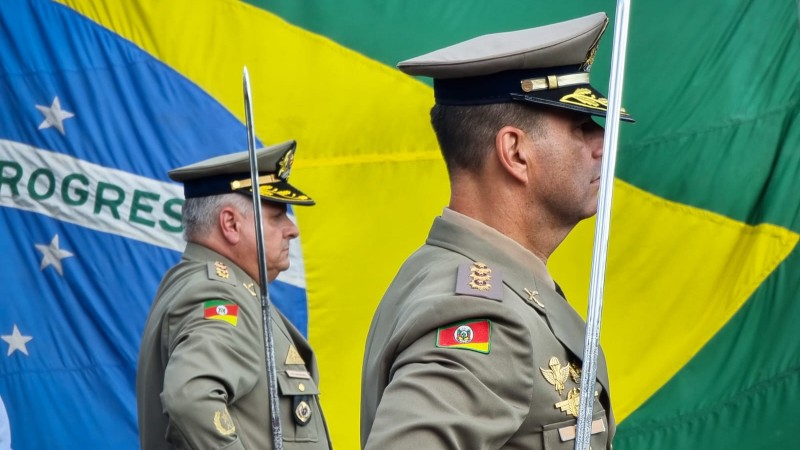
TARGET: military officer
(473,345)
(201,381)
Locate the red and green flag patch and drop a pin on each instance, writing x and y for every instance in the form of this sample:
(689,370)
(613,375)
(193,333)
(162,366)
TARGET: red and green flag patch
(224,310)
(472,335)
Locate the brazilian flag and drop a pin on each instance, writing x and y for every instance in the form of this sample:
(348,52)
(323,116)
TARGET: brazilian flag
(702,295)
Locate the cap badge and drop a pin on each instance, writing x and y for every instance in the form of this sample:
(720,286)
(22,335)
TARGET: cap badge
(223,422)
(222,270)
(556,375)
(285,165)
(480,275)
(587,64)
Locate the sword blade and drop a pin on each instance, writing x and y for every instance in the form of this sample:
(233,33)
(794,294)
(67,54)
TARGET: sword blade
(269,345)
(599,256)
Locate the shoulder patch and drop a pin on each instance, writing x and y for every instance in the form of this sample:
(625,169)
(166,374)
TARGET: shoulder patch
(224,310)
(475,335)
(219,271)
(479,280)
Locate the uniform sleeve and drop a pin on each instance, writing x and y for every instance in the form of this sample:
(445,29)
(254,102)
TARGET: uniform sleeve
(442,395)
(212,363)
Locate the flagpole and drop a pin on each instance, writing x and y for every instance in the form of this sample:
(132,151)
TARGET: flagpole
(269,345)
(599,257)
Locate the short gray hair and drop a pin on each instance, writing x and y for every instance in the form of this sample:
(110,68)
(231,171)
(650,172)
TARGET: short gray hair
(200,214)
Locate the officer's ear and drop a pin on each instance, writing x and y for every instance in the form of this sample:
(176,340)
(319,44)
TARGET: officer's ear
(230,225)
(510,152)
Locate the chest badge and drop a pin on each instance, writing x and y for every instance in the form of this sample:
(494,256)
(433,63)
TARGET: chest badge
(556,374)
(571,404)
(302,410)
(293,357)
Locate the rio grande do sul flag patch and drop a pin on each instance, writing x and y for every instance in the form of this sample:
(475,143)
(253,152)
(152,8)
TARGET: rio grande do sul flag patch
(472,335)
(224,310)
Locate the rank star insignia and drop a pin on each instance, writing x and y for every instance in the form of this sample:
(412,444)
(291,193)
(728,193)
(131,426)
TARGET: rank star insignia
(222,270)
(480,275)
(556,375)
(571,404)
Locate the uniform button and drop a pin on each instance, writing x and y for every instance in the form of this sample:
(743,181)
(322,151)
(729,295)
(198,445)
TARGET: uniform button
(302,387)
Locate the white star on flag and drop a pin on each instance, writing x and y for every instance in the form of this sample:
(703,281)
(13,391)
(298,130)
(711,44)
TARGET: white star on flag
(16,341)
(54,116)
(52,255)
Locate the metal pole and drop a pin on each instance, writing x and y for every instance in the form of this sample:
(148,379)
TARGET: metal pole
(269,345)
(594,315)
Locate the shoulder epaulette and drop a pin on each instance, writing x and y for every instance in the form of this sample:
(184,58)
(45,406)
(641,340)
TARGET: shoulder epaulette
(219,271)
(478,280)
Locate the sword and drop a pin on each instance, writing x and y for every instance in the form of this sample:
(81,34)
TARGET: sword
(269,345)
(594,315)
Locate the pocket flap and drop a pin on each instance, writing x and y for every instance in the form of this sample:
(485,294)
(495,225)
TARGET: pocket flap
(296,386)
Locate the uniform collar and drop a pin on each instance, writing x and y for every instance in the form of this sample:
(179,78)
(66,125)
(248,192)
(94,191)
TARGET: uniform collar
(504,244)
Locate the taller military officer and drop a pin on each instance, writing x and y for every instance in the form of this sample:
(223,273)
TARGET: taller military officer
(473,346)
(201,381)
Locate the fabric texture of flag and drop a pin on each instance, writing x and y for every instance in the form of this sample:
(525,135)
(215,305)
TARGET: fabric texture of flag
(89,126)
(98,98)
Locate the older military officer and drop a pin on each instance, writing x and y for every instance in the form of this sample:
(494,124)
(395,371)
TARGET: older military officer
(473,346)
(201,381)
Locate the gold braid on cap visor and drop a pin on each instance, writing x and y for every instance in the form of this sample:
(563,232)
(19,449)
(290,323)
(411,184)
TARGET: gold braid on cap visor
(247,182)
(554,81)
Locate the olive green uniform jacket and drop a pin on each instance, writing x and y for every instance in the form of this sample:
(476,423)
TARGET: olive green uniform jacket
(461,357)
(201,381)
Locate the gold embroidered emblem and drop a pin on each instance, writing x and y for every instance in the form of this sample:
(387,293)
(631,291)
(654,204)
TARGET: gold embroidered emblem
(302,412)
(272,191)
(285,165)
(533,297)
(556,375)
(575,372)
(587,64)
(250,289)
(571,404)
(480,275)
(222,270)
(293,357)
(586,98)
(223,422)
